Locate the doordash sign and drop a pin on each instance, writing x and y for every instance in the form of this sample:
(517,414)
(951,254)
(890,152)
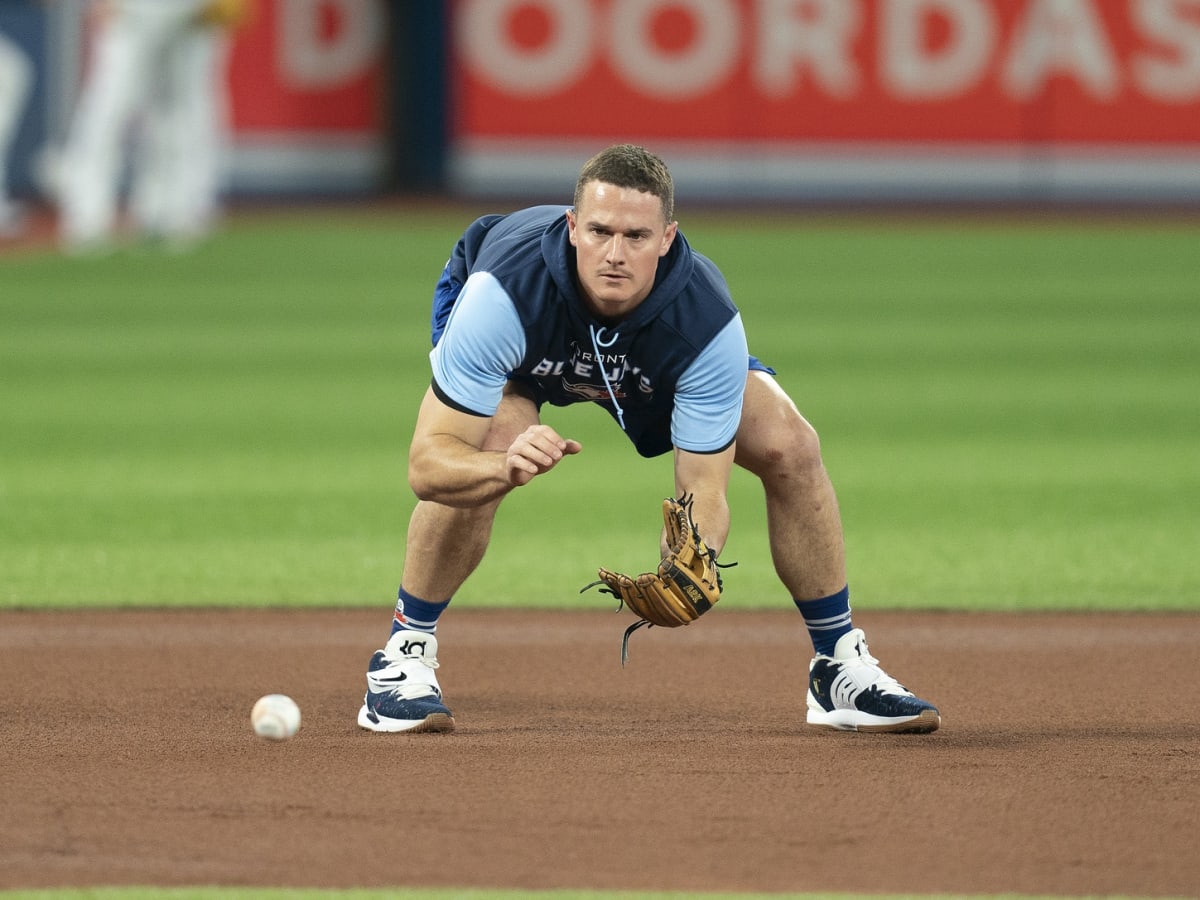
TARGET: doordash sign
(1092,72)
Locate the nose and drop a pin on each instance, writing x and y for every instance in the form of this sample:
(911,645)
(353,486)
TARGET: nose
(615,254)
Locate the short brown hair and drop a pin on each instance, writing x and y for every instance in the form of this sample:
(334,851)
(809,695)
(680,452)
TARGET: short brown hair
(630,166)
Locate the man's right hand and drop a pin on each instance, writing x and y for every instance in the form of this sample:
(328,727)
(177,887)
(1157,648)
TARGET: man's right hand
(537,450)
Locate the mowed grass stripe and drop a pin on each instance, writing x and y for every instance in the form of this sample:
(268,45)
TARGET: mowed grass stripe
(1009,410)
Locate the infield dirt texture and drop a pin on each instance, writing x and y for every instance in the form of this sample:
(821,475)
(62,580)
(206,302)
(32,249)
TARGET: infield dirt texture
(1008,408)
(1068,761)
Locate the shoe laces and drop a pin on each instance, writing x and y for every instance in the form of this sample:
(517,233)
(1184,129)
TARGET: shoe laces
(886,684)
(415,680)
(428,662)
(883,682)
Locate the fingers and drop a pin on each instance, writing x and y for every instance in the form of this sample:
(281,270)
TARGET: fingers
(537,450)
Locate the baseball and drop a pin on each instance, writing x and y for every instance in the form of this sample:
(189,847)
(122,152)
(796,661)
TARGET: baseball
(275,717)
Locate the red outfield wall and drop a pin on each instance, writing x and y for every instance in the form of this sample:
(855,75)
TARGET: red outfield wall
(793,96)
(874,99)
(1125,71)
(306,80)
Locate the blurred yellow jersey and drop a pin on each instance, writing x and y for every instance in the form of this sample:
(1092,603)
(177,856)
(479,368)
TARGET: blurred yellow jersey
(226,13)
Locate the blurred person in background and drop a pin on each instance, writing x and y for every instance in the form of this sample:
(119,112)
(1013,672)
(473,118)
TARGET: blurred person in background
(152,106)
(16,82)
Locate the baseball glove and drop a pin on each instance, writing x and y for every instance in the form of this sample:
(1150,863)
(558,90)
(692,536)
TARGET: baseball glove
(685,586)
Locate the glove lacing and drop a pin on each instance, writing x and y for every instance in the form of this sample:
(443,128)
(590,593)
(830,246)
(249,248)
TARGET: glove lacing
(646,623)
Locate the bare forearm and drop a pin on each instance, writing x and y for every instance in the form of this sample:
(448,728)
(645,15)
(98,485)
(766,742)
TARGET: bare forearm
(705,477)
(451,472)
(710,511)
(449,469)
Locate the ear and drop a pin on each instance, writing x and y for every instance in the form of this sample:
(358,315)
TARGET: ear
(668,238)
(572,224)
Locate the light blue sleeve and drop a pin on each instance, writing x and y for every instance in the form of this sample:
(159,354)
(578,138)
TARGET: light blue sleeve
(483,342)
(708,398)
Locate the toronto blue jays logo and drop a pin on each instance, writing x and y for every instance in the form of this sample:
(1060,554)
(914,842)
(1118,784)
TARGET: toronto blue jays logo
(593,392)
(583,374)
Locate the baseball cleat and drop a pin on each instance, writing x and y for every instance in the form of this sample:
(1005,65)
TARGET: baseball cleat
(849,692)
(402,688)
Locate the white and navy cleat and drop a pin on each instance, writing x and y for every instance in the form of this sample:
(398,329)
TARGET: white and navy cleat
(402,688)
(850,692)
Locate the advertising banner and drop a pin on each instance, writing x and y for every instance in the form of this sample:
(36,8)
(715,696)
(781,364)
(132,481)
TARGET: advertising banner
(305,80)
(975,97)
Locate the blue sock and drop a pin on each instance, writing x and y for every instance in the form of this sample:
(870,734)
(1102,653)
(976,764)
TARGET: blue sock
(416,614)
(827,618)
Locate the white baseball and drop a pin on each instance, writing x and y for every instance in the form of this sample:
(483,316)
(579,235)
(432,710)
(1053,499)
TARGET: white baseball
(275,717)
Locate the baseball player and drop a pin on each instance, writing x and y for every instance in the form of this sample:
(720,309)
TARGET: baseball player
(606,302)
(157,64)
(16,82)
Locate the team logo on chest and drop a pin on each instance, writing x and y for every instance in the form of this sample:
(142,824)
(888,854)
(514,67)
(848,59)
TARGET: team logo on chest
(587,391)
(583,374)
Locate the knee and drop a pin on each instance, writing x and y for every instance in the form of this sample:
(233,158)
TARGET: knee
(789,447)
(806,441)
(801,445)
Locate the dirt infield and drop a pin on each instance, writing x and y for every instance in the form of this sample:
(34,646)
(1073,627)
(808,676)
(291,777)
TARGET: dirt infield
(1068,761)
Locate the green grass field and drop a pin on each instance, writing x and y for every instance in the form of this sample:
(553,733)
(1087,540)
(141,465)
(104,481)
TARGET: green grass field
(1010,411)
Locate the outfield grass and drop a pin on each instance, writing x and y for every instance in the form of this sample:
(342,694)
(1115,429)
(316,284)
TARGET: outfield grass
(1010,411)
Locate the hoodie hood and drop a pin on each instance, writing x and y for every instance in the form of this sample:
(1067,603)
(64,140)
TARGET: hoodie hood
(673,274)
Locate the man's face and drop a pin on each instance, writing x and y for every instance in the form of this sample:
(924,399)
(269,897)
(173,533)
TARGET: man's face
(619,235)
